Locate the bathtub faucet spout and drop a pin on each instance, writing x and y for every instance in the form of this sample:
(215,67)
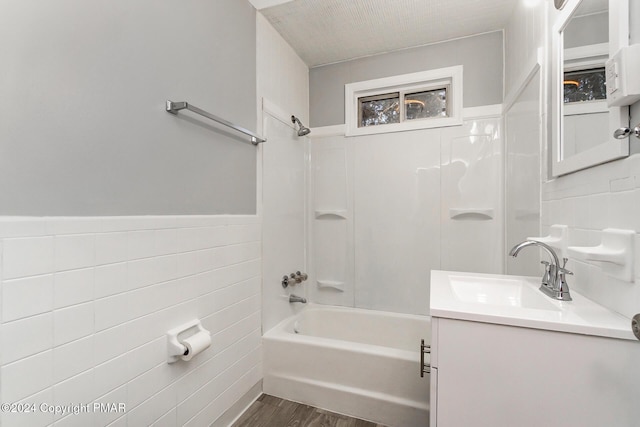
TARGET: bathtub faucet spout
(295,298)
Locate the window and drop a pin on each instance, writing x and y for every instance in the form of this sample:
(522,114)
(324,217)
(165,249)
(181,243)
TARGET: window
(585,115)
(422,105)
(406,102)
(584,85)
(379,109)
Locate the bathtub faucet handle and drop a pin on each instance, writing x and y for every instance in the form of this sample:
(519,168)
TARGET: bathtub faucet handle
(294,279)
(301,276)
(286,281)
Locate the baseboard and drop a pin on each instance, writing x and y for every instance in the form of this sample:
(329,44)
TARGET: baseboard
(232,414)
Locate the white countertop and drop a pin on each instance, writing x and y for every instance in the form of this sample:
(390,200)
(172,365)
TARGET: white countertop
(514,301)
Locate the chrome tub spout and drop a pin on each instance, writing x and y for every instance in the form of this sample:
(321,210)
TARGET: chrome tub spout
(295,298)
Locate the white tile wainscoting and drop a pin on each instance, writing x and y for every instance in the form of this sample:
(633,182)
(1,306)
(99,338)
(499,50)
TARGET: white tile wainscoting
(86,303)
(588,201)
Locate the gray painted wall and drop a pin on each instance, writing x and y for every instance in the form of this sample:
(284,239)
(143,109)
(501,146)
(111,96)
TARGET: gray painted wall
(83,129)
(481,56)
(587,30)
(634,19)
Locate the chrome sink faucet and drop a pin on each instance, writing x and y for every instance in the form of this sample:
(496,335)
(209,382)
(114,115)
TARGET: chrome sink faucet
(554,283)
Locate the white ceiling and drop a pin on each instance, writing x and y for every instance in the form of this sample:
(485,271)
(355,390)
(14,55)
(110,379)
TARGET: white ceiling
(328,31)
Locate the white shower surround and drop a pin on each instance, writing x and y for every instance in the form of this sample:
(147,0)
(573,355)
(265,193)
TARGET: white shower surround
(386,209)
(361,363)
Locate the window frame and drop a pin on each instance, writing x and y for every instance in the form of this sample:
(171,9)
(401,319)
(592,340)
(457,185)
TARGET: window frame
(449,77)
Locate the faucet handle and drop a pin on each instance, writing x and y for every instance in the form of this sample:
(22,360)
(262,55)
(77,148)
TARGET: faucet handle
(285,281)
(294,278)
(563,270)
(546,278)
(563,287)
(290,280)
(547,266)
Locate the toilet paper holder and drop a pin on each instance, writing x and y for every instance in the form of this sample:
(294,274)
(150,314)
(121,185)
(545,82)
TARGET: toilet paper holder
(176,350)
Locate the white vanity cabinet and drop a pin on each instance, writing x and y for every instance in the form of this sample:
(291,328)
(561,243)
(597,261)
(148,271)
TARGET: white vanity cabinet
(488,375)
(495,366)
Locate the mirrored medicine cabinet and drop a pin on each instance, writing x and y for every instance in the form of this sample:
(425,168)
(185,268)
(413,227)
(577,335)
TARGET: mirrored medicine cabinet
(586,34)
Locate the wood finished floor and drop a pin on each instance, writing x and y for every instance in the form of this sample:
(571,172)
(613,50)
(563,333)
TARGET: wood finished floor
(269,411)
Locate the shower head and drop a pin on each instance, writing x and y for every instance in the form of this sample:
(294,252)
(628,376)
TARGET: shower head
(303,130)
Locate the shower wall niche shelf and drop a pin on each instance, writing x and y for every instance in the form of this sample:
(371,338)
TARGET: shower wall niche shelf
(331,223)
(469,213)
(329,284)
(614,254)
(328,213)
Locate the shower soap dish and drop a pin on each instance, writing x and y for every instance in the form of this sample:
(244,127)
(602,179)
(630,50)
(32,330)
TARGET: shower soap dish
(557,238)
(471,213)
(614,254)
(330,284)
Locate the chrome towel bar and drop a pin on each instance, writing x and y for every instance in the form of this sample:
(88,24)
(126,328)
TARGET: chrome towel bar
(174,107)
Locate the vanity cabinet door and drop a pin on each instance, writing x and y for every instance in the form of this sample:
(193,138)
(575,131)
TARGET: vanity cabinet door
(433,404)
(433,395)
(490,375)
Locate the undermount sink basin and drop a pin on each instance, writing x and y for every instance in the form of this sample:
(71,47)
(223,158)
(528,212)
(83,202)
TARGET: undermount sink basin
(499,292)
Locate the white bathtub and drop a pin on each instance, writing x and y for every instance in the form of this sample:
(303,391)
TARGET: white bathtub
(361,363)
